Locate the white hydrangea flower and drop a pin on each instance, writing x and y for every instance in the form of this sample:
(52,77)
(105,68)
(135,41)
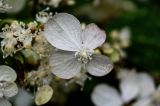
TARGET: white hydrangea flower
(105,95)
(150,100)
(8,87)
(64,32)
(129,87)
(133,84)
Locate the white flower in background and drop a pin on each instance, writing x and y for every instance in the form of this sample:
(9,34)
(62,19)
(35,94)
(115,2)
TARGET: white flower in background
(23,98)
(105,95)
(3,6)
(122,37)
(64,32)
(8,87)
(43,16)
(71,2)
(151,100)
(129,87)
(54,3)
(132,85)
(17,5)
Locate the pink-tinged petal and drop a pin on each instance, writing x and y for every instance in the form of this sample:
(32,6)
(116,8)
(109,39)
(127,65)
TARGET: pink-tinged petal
(99,66)
(64,64)
(92,36)
(63,31)
(146,81)
(105,95)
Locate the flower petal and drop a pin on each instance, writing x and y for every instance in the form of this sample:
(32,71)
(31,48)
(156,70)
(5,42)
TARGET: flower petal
(63,32)
(43,95)
(129,86)
(92,36)
(64,64)
(143,102)
(146,81)
(10,90)
(23,98)
(4,102)
(105,95)
(99,66)
(1,93)
(7,73)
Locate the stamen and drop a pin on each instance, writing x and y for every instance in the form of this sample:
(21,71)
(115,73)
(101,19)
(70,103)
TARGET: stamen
(85,55)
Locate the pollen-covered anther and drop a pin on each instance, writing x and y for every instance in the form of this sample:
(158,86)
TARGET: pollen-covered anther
(84,55)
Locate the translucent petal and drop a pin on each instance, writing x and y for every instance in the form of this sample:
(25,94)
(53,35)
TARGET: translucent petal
(10,90)
(63,32)
(43,95)
(4,102)
(129,87)
(146,81)
(7,73)
(105,95)
(64,64)
(100,65)
(92,36)
(23,98)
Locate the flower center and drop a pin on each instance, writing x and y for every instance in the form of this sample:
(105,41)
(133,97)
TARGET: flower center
(84,55)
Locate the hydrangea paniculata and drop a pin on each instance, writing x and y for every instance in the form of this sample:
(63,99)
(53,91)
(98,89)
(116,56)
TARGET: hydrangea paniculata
(64,32)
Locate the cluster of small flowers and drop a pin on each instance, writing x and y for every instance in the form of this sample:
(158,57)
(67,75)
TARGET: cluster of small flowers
(16,37)
(43,15)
